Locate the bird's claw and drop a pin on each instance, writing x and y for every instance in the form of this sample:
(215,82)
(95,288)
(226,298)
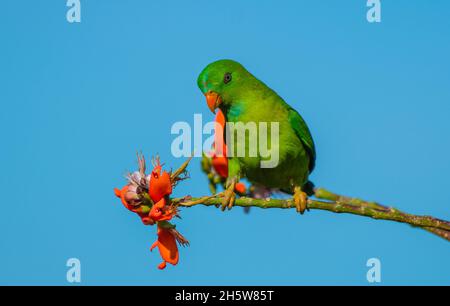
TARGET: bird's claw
(229,197)
(300,200)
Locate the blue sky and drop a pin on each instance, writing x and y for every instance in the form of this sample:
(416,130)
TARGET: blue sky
(78,101)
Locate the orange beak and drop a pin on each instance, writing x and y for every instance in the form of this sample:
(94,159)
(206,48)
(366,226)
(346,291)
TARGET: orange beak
(213,100)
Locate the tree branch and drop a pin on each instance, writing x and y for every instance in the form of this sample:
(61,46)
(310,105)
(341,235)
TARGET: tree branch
(329,201)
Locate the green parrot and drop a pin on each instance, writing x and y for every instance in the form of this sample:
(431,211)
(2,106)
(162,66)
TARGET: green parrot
(243,98)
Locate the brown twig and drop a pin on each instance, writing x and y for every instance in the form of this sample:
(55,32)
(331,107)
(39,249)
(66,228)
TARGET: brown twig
(337,204)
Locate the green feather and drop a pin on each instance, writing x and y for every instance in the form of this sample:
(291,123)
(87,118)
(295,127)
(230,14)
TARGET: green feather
(302,131)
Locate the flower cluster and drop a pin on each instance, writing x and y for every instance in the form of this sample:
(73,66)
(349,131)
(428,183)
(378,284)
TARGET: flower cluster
(149,197)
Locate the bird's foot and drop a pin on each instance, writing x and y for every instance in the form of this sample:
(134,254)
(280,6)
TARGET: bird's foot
(229,197)
(300,200)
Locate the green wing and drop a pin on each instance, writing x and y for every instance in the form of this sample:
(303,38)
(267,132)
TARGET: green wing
(302,131)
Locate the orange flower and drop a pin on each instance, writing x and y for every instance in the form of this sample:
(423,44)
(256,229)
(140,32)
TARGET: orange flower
(127,195)
(120,193)
(220,148)
(167,247)
(220,165)
(219,159)
(219,155)
(240,188)
(160,184)
(161,212)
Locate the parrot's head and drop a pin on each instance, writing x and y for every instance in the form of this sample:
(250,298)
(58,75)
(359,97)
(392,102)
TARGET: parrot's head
(222,82)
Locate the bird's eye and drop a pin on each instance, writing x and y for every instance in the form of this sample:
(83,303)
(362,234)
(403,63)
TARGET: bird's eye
(227,78)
